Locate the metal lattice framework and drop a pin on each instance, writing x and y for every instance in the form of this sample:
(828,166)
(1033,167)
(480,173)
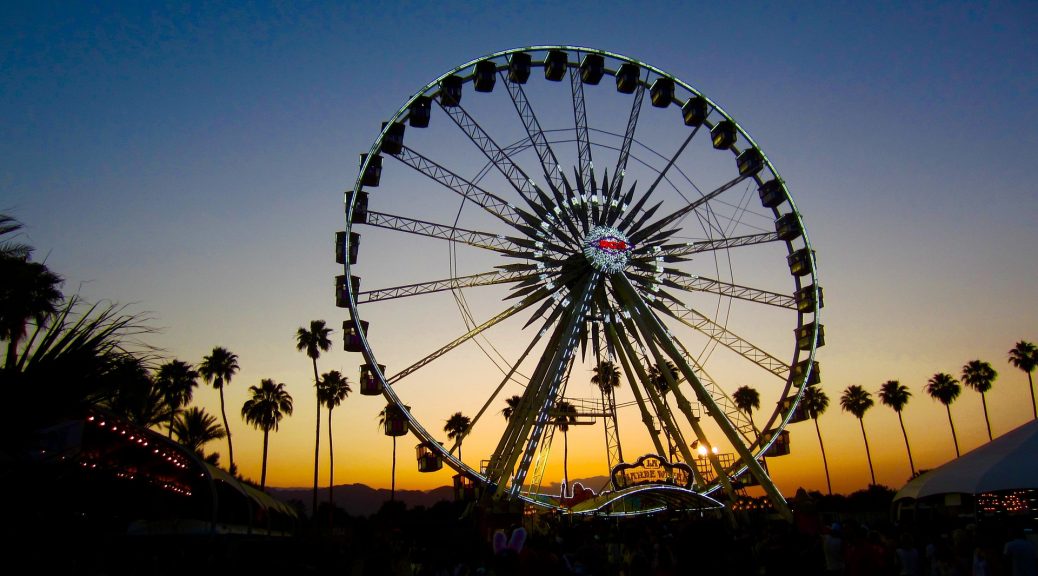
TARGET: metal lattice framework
(505,273)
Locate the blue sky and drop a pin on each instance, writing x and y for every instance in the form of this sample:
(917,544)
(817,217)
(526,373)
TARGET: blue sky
(189,159)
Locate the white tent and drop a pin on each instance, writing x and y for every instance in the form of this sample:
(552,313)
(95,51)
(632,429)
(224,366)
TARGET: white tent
(1006,463)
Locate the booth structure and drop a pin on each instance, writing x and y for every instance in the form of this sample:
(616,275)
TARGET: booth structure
(133,481)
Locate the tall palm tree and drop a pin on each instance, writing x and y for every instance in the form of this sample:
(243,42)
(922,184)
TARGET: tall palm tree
(334,389)
(945,389)
(658,378)
(816,402)
(895,394)
(607,378)
(747,399)
(390,412)
(177,381)
(136,396)
(457,427)
(566,414)
(857,401)
(194,428)
(268,403)
(979,375)
(1025,357)
(30,294)
(313,342)
(511,404)
(217,369)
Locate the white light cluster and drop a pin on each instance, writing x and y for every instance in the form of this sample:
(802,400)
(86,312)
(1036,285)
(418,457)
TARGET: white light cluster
(605,259)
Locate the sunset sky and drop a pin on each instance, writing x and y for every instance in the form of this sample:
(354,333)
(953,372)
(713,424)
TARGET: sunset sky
(189,160)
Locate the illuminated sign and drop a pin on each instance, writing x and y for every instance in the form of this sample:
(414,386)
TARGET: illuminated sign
(651,469)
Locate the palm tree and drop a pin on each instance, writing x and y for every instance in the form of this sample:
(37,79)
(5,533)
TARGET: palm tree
(313,342)
(30,293)
(747,399)
(194,428)
(136,396)
(566,414)
(457,427)
(334,389)
(945,389)
(658,378)
(979,376)
(217,369)
(10,249)
(177,381)
(857,401)
(607,378)
(895,394)
(1025,357)
(268,403)
(511,404)
(389,413)
(816,402)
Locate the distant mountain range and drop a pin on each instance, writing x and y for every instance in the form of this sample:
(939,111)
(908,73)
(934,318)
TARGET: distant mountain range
(363,500)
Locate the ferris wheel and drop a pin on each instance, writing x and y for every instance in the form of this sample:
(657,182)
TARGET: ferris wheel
(555,240)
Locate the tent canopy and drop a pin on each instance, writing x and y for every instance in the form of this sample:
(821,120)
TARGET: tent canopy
(1008,462)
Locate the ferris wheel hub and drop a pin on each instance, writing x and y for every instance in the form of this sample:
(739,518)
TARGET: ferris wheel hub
(607,249)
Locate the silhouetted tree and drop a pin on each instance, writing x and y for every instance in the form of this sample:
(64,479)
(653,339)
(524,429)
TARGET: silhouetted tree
(30,291)
(896,395)
(857,401)
(334,389)
(136,397)
(194,428)
(268,403)
(945,389)
(456,428)
(979,375)
(510,406)
(1025,357)
(565,414)
(313,342)
(177,381)
(217,369)
(747,399)
(816,402)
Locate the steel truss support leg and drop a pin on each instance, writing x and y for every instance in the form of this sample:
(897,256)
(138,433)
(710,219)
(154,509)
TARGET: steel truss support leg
(649,322)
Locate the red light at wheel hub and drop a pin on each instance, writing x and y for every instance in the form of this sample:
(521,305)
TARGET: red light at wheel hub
(612,244)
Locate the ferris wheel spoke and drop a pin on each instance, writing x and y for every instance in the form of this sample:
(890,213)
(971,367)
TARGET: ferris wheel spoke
(655,333)
(625,148)
(737,417)
(703,284)
(701,246)
(580,121)
(466,189)
(495,242)
(699,322)
(637,234)
(659,178)
(497,319)
(549,163)
(475,280)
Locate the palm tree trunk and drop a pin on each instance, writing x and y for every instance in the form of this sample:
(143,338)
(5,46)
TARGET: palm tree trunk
(227,429)
(392,490)
(911,464)
(317,442)
(955,438)
(868,454)
(825,463)
(263,474)
(1030,386)
(331,462)
(984,401)
(565,463)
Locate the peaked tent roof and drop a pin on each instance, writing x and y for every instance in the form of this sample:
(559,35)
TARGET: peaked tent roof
(1006,463)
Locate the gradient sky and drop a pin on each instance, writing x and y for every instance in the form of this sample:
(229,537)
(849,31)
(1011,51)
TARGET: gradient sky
(189,160)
